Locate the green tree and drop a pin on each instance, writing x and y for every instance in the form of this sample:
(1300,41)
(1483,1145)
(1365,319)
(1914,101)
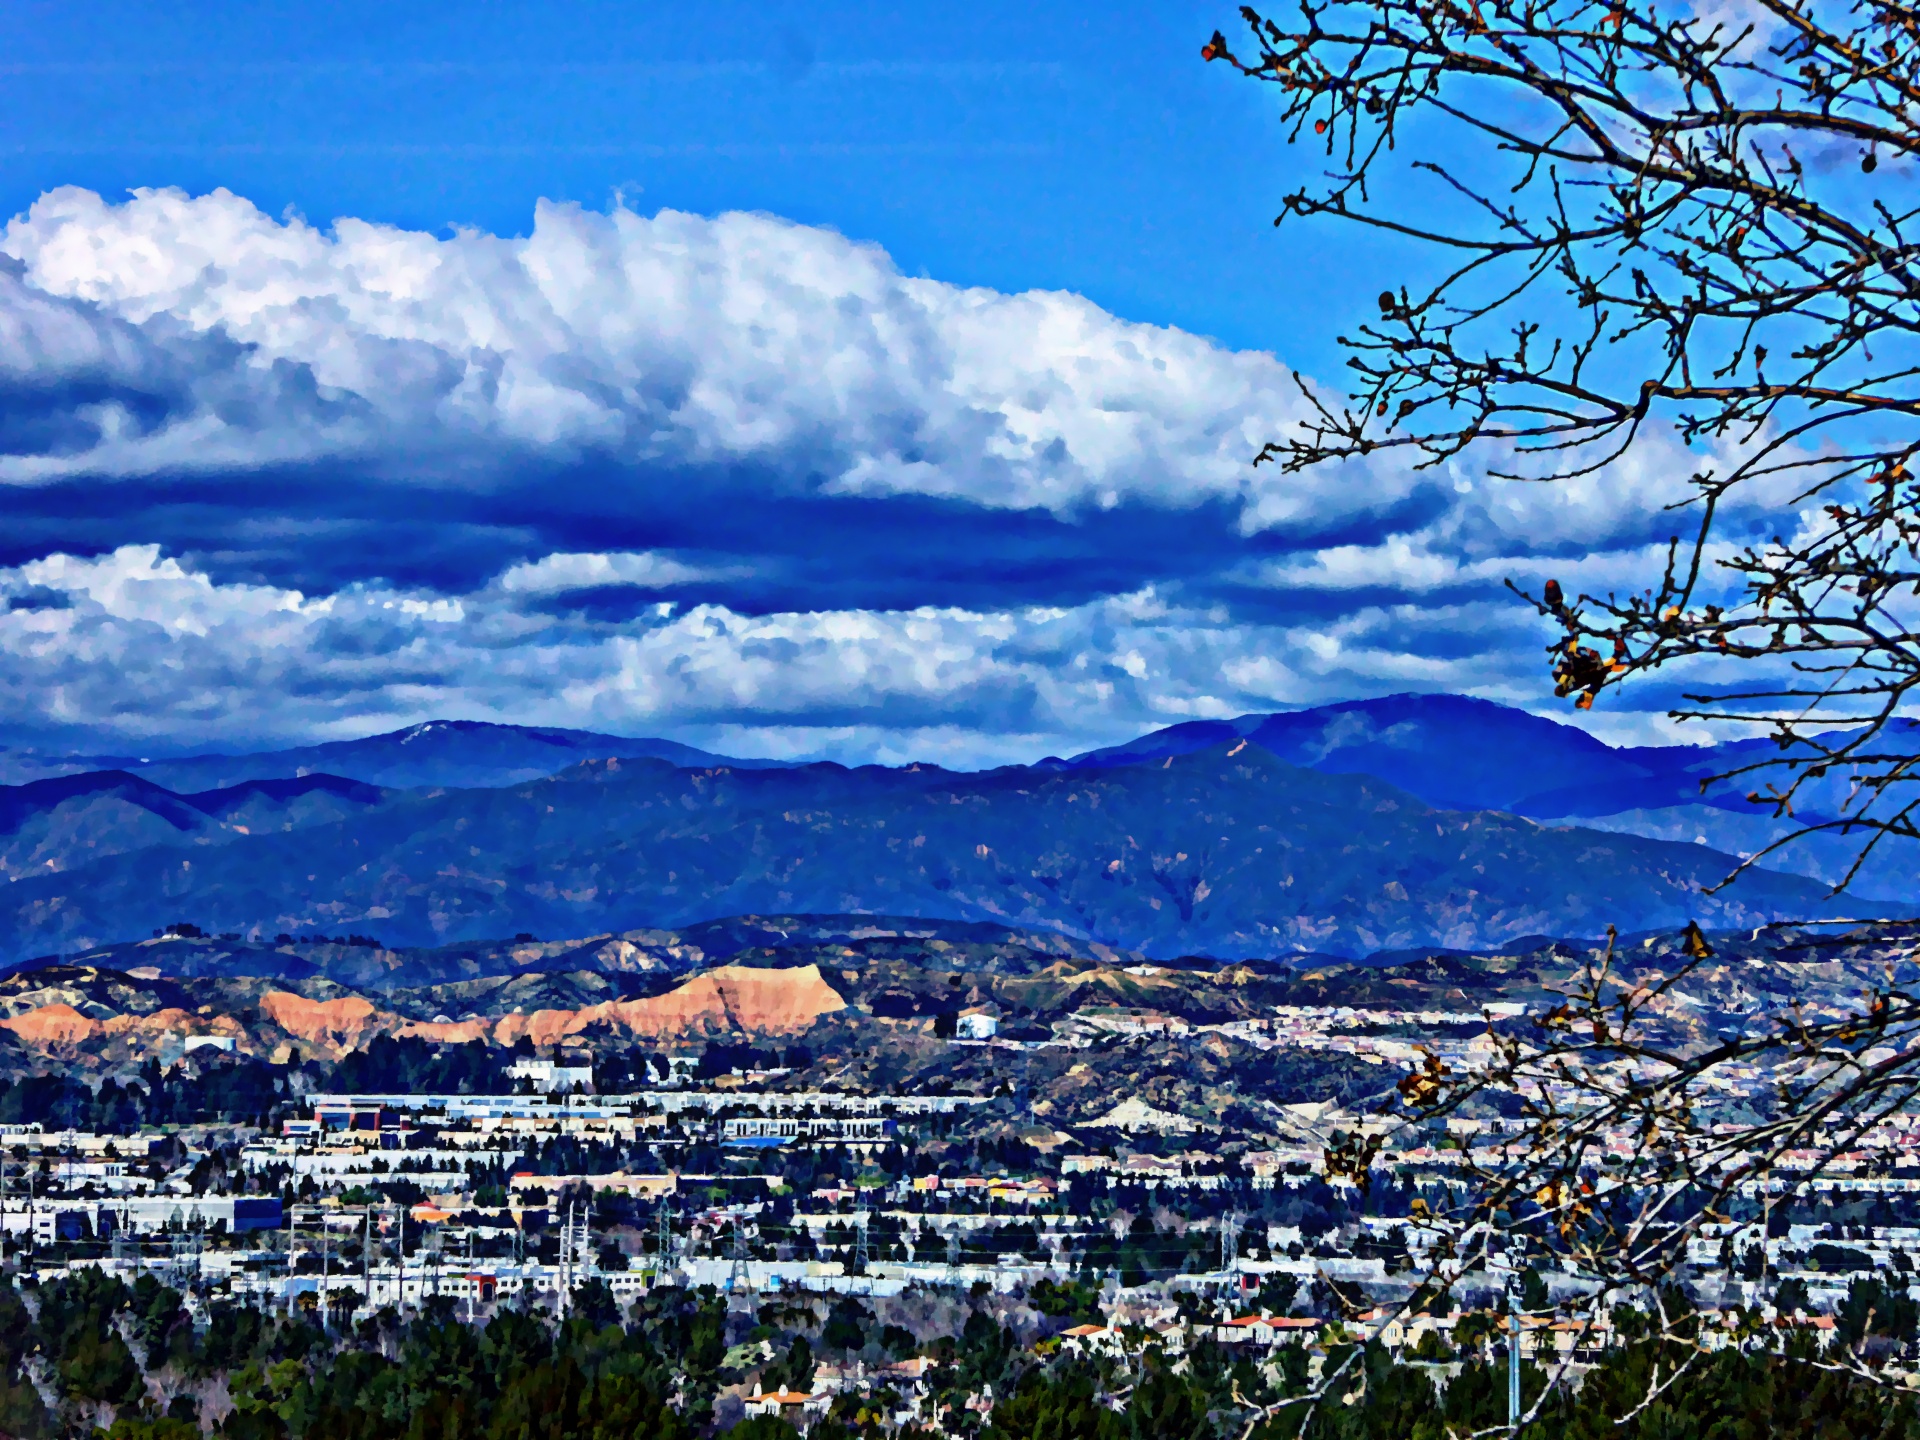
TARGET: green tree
(1871,1309)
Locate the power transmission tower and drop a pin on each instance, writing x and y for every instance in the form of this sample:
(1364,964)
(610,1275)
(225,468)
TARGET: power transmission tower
(1229,1241)
(738,1280)
(663,1242)
(576,1235)
(326,1273)
(183,1258)
(860,1242)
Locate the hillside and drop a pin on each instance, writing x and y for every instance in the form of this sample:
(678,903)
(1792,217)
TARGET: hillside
(846,1003)
(1227,851)
(51,825)
(1456,752)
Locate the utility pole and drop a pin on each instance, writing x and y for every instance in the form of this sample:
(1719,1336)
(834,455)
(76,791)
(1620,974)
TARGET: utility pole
(1513,1356)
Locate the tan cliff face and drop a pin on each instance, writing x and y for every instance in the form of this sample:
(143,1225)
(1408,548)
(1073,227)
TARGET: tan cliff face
(447,1032)
(342,1022)
(728,1000)
(52,1025)
(60,1025)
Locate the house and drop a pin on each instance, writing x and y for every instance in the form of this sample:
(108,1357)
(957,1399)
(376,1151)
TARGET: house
(641,1187)
(1415,1328)
(1170,1335)
(551,1077)
(1022,1192)
(831,1379)
(1389,1327)
(1133,1114)
(976,1023)
(797,1409)
(1264,1166)
(1091,1339)
(1264,1331)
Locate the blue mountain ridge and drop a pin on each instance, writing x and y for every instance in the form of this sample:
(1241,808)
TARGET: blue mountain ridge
(1227,851)
(86,838)
(465,753)
(1458,752)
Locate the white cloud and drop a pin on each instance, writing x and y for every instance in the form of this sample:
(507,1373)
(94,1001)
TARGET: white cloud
(197,335)
(138,644)
(670,338)
(556,574)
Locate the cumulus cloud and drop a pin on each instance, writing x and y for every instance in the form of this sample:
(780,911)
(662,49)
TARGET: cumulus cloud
(555,574)
(733,478)
(139,643)
(665,339)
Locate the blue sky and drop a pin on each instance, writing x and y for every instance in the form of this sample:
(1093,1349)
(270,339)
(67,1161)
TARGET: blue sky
(433,371)
(1013,146)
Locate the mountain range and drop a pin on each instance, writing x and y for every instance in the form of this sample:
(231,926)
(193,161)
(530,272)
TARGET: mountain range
(1267,836)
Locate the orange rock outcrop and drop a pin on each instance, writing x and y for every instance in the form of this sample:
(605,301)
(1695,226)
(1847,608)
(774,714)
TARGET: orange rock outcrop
(160,1022)
(52,1025)
(727,999)
(732,999)
(447,1032)
(320,1022)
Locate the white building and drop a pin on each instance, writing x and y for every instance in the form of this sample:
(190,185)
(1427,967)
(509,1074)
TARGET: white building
(553,1077)
(976,1025)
